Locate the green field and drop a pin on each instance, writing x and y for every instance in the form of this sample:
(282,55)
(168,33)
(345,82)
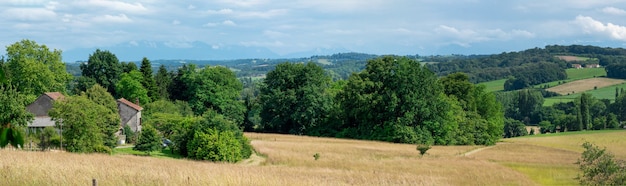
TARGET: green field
(572,75)
(601,93)
(494,86)
(577,74)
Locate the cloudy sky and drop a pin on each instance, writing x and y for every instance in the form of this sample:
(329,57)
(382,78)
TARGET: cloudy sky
(285,27)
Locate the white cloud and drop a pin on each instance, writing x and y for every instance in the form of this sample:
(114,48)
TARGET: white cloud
(52,5)
(210,24)
(133,8)
(274,34)
(29,14)
(225,22)
(229,23)
(121,18)
(243,3)
(191,7)
(176,22)
(464,37)
(248,14)
(262,44)
(220,12)
(590,25)
(614,11)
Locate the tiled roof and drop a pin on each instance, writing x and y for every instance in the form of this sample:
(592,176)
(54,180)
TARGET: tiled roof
(55,95)
(130,104)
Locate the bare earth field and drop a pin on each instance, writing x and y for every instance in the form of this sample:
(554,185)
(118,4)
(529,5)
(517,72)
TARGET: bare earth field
(584,85)
(571,58)
(288,160)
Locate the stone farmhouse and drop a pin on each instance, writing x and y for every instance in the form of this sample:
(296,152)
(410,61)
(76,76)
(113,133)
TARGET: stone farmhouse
(130,113)
(40,108)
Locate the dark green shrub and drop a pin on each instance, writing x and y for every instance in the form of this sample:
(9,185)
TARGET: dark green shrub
(149,140)
(422,148)
(316,156)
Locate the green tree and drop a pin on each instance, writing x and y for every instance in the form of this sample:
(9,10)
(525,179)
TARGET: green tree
(179,88)
(514,128)
(599,167)
(33,69)
(218,89)
(294,98)
(529,103)
(129,87)
(394,99)
(79,119)
(104,68)
(163,81)
(148,79)
(584,116)
(459,86)
(13,117)
(149,140)
(127,67)
(111,118)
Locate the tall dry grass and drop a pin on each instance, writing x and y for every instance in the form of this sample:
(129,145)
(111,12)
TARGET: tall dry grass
(551,159)
(289,161)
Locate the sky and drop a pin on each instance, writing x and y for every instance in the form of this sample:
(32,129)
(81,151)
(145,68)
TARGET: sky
(275,28)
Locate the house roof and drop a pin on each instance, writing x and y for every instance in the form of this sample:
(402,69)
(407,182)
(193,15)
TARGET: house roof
(54,95)
(130,104)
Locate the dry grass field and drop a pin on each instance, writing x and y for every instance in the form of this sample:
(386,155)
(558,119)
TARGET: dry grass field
(288,160)
(584,85)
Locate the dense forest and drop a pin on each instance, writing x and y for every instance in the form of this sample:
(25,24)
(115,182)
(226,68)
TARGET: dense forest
(204,107)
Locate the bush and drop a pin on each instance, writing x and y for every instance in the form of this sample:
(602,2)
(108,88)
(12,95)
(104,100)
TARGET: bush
(600,168)
(216,146)
(423,148)
(149,140)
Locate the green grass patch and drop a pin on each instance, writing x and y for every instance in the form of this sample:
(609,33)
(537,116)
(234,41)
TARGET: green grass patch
(163,153)
(494,86)
(585,73)
(547,174)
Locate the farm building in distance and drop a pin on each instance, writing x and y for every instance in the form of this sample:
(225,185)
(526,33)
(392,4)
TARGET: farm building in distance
(40,108)
(577,66)
(130,114)
(592,66)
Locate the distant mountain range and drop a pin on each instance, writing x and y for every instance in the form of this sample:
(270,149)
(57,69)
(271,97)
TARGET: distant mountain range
(189,51)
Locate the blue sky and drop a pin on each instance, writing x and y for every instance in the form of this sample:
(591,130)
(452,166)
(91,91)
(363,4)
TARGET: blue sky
(284,27)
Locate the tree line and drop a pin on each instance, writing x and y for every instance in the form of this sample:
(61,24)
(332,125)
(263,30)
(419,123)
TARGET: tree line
(393,99)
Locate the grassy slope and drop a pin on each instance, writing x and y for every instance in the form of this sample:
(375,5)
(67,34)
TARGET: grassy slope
(549,159)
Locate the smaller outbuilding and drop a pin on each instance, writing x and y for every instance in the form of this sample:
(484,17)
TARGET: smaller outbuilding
(130,114)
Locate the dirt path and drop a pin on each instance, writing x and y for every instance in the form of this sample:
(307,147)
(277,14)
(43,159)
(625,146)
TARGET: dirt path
(469,153)
(254,160)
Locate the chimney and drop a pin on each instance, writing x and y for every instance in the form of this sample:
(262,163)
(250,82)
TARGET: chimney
(137,101)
